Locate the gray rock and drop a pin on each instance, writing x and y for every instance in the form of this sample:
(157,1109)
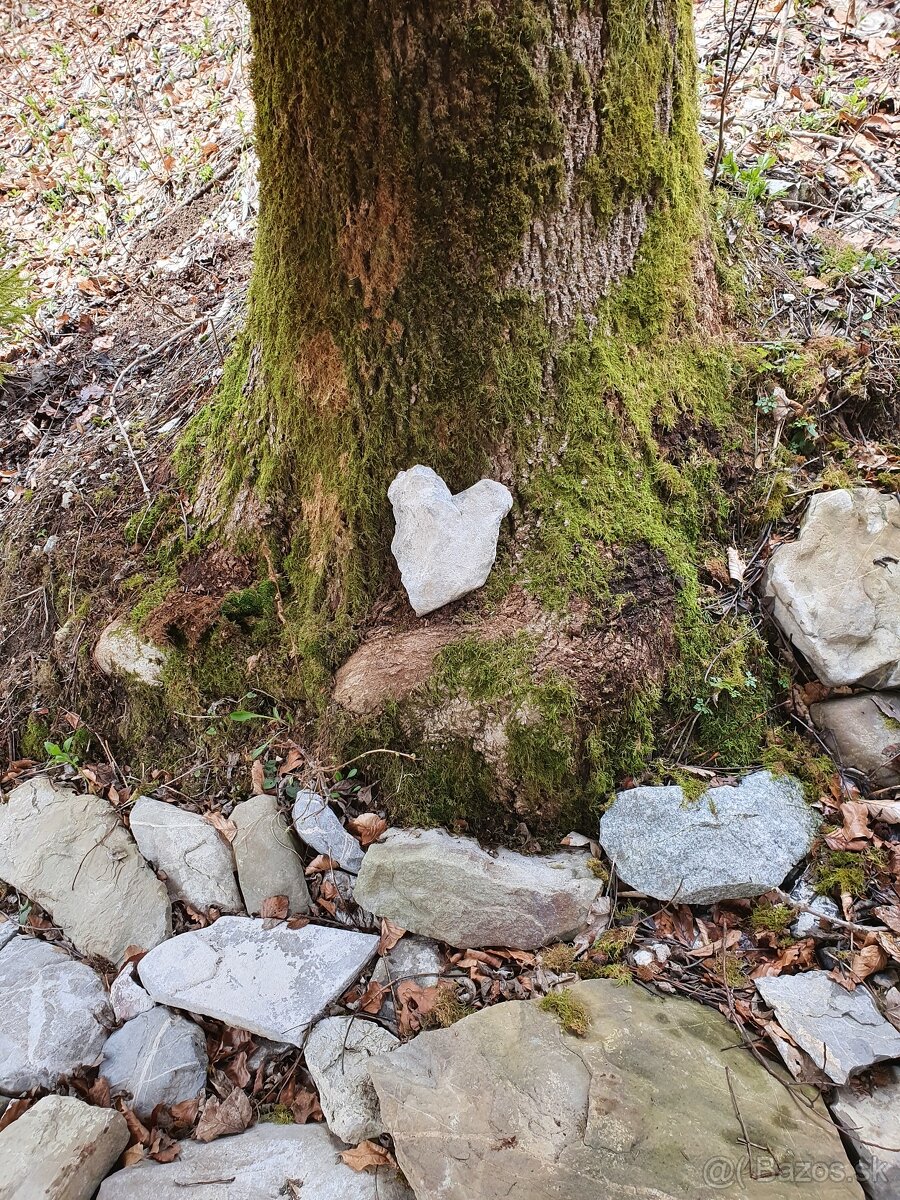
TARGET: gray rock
(318,826)
(731,842)
(71,854)
(446,887)
(809,924)
(504,1104)
(337,1057)
(59,1149)
(195,858)
(861,735)
(54,1016)
(8,930)
(445,545)
(126,655)
(841,1031)
(873,1114)
(127,997)
(835,591)
(158,1057)
(271,981)
(415,958)
(256,1165)
(267,857)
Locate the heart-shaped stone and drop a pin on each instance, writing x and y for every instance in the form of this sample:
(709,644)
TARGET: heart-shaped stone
(445,545)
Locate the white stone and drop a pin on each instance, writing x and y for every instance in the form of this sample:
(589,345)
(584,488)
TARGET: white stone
(260,1164)
(446,887)
(337,1057)
(54,1016)
(835,591)
(158,1057)
(196,859)
(444,545)
(8,930)
(730,842)
(872,1113)
(271,981)
(127,997)
(123,653)
(59,1149)
(318,826)
(71,854)
(267,858)
(416,959)
(809,924)
(862,735)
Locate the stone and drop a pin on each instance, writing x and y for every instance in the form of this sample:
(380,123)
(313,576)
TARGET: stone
(337,1055)
(71,854)
(122,653)
(271,981)
(835,591)
(730,843)
(8,930)
(267,858)
(60,1149)
(504,1103)
(872,1114)
(54,1016)
(445,545)
(158,1057)
(127,997)
(417,959)
(841,1031)
(259,1164)
(196,859)
(861,734)
(808,924)
(432,883)
(318,826)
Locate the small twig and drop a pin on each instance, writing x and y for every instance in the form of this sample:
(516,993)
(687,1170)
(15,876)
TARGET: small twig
(786,899)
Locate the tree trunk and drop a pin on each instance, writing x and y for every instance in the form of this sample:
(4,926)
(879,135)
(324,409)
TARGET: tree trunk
(481,248)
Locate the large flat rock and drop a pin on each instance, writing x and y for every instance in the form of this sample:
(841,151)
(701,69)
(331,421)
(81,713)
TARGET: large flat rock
(71,854)
(869,1114)
(505,1104)
(835,591)
(337,1054)
(729,843)
(267,856)
(272,981)
(158,1057)
(862,734)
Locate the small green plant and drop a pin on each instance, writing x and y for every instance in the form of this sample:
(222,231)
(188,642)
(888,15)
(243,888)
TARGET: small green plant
(569,1011)
(65,755)
(752,180)
(617,972)
(14,308)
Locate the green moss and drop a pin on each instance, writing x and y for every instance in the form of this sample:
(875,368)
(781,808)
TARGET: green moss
(559,958)
(841,872)
(32,738)
(771,918)
(257,601)
(276,1114)
(569,1011)
(788,752)
(618,972)
(447,1009)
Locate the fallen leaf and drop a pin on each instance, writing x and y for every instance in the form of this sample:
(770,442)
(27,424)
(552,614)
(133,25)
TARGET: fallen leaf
(134,1154)
(226,827)
(14,1110)
(368,827)
(890,915)
(322,863)
(867,961)
(577,840)
(856,821)
(276,907)
(258,778)
(887,811)
(372,998)
(163,1149)
(390,935)
(305,1107)
(368,1156)
(233,1115)
(730,940)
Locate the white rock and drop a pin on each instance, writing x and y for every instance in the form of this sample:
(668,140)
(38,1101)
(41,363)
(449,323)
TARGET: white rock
(158,1057)
(809,924)
(444,545)
(71,854)
(267,858)
(8,930)
(873,1114)
(271,981)
(195,858)
(417,959)
(123,653)
(259,1164)
(861,735)
(644,958)
(835,592)
(127,997)
(59,1149)
(318,826)
(337,1057)
(54,1016)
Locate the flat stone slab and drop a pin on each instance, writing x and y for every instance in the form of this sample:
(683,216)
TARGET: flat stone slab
(317,825)
(841,1031)
(267,857)
(446,887)
(259,1164)
(504,1104)
(730,843)
(337,1055)
(71,854)
(54,1016)
(59,1149)
(126,995)
(123,653)
(861,733)
(872,1114)
(271,981)
(835,591)
(158,1057)
(196,859)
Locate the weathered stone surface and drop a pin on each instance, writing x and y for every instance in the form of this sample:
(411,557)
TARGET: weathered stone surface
(731,842)
(71,854)
(59,1149)
(389,667)
(54,1016)
(158,1057)
(126,995)
(445,545)
(8,930)
(267,857)
(257,1165)
(196,859)
(862,735)
(505,1104)
(872,1113)
(809,924)
(123,653)
(841,1031)
(318,826)
(271,981)
(836,590)
(446,887)
(337,1056)
(413,958)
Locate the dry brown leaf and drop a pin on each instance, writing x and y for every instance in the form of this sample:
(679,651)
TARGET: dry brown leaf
(730,940)
(368,1156)
(236,1069)
(305,1107)
(887,811)
(413,1004)
(183,1114)
(372,998)
(233,1115)
(138,1130)
(258,778)
(368,827)
(890,915)
(162,1148)
(292,760)
(14,1110)
(867,961)
(889,944)
(390,935)
(856,821)
(322,863)
(275,907)
(226,827)
(134,1154)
